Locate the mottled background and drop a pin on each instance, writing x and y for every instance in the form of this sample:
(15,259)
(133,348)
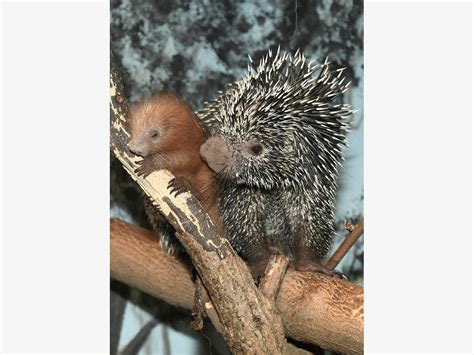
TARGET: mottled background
(195,49)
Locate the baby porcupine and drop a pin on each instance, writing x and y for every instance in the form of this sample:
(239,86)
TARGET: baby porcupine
(276,140)
(166,133)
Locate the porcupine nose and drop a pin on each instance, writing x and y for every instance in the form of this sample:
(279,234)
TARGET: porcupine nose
(138,148)
(216,154)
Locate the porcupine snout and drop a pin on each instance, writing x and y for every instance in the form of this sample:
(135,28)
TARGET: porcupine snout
(139,148)
(217,154)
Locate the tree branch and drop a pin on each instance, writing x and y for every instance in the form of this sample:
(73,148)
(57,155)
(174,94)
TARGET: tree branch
(315,308)
(250,323)
(345,246)
(140,338)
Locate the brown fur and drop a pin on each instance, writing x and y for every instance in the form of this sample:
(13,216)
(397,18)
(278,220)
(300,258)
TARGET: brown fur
(176,149)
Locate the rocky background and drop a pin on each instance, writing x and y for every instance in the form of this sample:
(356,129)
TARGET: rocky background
(196,48)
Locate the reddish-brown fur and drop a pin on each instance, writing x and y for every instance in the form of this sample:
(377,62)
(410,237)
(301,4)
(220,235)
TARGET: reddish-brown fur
(175,149)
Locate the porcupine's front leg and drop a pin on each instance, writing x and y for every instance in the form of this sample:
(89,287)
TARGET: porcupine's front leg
(146,167)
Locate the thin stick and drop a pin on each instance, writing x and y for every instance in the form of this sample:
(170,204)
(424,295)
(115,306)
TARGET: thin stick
(166,340)
(140,338)
(345,246)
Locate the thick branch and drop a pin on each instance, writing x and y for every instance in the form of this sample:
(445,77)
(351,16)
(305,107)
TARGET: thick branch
(314,308)
(250,323)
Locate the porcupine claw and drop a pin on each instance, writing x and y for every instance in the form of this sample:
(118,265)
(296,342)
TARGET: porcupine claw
(145,168)
(179,185)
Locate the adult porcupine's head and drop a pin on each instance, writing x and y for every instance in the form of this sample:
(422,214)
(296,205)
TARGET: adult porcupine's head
(279,125)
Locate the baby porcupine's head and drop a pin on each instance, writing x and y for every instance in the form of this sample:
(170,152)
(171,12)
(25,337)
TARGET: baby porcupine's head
(154,124)
(279,125)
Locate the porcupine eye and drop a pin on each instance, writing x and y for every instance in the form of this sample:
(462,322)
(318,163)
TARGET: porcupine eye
(154,134)
(256,149)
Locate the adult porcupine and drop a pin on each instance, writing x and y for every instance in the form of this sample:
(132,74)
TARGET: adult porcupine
(276,139)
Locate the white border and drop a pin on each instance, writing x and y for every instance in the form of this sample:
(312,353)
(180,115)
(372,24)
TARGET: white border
(412,294)
(373,331)
(93,275)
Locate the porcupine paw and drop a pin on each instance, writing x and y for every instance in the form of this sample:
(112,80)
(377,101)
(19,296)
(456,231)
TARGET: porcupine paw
(179,185)
(316,266)
(143,169)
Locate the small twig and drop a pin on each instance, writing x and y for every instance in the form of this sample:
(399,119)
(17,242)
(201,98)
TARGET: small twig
(166,340)
(273,277)
(345,246)
(140,338)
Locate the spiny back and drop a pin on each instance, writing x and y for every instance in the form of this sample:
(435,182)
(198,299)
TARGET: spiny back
(287,104)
